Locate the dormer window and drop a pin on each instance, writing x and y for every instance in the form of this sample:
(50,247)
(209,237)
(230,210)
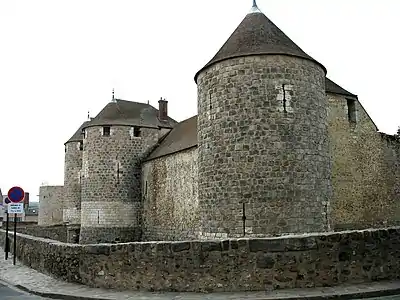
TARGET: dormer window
(81,146)
(84,133)
(106,131)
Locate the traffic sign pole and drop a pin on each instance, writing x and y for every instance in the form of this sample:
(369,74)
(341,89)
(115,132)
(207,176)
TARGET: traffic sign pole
(15,239)
(7,245)
(15,195)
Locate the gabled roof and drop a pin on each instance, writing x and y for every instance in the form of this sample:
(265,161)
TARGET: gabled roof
(78,136)
(123,112)
(257,35)
(332,87)
(182,136)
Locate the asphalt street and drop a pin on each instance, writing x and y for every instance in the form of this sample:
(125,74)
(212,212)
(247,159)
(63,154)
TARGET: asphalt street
(397,297)
(7,293)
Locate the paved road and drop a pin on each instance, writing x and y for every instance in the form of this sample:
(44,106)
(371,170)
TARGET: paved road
(7,293)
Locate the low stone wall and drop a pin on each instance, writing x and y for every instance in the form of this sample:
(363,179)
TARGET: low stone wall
(56,232)
(19,224)
(228,265)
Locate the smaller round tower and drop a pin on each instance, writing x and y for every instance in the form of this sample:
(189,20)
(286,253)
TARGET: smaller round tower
(115,142)
(72,177)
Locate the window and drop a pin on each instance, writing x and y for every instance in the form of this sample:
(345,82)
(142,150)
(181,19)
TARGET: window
(106,131)
(351,111)
(80,146)
(84,133)
(136,132)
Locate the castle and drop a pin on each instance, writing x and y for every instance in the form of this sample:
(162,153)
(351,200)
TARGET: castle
(276,148)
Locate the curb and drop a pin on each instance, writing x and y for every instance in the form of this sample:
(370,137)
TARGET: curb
(48,295)
(344,296)
(54,295)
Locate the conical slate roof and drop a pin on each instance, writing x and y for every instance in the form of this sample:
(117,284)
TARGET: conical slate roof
(257,35)
(78,136)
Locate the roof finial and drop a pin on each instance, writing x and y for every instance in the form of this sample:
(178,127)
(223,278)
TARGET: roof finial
(254,8)
(113,94)
(88,115)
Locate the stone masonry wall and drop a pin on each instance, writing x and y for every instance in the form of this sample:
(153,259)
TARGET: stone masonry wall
(251,151)
(50,205)
(111,188)
(55,232)
(169,189)
(216,266)
(72,183)
(365,174)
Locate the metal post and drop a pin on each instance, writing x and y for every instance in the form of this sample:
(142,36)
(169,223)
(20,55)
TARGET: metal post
(7,245)
(15,239)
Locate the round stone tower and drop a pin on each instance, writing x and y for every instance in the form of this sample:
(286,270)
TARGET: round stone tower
(264,162)
(72,178)
(115,142)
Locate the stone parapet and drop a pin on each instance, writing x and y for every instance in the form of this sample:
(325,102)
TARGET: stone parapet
(300,261)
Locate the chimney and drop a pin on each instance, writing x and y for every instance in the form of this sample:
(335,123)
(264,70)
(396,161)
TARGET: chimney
(163,109)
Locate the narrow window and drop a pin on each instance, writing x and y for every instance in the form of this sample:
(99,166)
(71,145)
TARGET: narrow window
(81,146)
(351,111)
(106,131)
(84,133)
(284,98)
(136,132)
(145,190)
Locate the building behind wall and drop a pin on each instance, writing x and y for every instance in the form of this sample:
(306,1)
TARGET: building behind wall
(274,141)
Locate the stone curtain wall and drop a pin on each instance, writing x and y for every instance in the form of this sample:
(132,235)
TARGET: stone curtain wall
(227,265)
(365,176)
(50,205)
(169,189)
(251,151)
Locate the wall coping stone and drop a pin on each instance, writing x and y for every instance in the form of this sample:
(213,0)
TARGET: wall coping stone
(308,241)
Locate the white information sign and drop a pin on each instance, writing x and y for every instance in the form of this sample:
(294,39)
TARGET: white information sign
(15,208)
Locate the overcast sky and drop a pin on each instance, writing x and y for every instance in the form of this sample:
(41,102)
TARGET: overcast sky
(61,59)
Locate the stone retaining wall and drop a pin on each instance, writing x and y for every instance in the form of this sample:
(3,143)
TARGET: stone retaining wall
(227,265)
